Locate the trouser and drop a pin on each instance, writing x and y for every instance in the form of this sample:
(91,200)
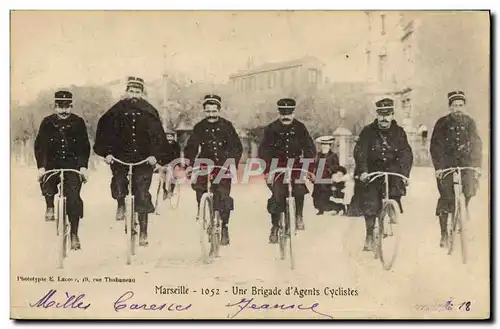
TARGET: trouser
(74,202)
(72,187)
(222,199)
(446,201)
(277,202)
(443,218)
(141,182)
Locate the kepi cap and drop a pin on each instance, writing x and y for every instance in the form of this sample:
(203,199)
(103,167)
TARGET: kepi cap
(385,106)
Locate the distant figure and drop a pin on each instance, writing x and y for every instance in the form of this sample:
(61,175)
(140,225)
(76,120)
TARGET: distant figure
(328,162)
(423,132)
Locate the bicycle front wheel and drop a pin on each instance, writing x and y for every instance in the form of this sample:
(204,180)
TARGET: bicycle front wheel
(61,232)
(130,229)
(290,213)
(176,193)
(282,236)
(215,233)
(388,234)
(205,219)
(462,227)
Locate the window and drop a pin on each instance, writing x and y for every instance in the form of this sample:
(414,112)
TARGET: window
(382,24)
(313,76)
(382,67)
(271,82)
(282,78)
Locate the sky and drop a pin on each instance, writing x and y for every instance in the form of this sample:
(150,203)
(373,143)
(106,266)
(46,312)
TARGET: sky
(51,49)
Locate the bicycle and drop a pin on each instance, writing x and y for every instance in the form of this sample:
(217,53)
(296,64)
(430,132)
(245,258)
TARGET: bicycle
(385,234)
(62,221)
(210,222)
(165,181)
(131,216)
(285,228)
(457,223)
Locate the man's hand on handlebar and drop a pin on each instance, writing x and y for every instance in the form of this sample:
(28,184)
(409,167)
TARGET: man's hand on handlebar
(363,177)
(84,173)
(477,173)
(439,173)
(152,160)
(108,159)
(41,172)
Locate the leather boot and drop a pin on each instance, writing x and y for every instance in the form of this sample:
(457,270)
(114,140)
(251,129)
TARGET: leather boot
(143,227)
(49,214)
(443,223)
(299,223)
(224,240)
(75,241)
(273,236)
(370,224)
(368,243)
(120,211)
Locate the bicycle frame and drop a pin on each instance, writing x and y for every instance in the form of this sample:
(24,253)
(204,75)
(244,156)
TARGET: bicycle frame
(61,227)
(377,174)
(131,234)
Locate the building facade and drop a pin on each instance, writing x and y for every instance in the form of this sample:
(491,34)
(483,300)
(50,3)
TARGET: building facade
(282,77)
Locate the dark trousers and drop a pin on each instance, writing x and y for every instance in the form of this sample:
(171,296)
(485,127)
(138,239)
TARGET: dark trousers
(141,182)
(222,199)
(72,187)
(446,201)
(277,202)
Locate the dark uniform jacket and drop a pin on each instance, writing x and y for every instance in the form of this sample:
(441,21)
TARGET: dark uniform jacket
(172,151)
(131,131)
(286,142)
(62,143)
(217,141)
(384,150)
(455,143)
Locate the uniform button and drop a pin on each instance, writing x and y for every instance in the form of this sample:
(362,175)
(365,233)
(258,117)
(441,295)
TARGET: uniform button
(62,140)
(133,134)
(135,150)
(133,140)
(215,148)
(385,159)
(213,130)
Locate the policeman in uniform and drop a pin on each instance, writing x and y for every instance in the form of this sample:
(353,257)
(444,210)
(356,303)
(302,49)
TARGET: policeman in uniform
(173,152)
(286,139)
(132,131)
(328,163)
(382,146)
(62,143)
(214,138)
(455,143)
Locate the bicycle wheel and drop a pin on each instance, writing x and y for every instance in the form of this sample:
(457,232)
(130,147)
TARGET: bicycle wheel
(129,228)
(215,233)
(282,235)
(289,213)
(57,213)
(204,222)
(62,232)
(176,193)
(462,227)
(452,226)
(388,234)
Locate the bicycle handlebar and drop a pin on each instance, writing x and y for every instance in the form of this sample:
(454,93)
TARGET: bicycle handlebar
(55,171)
(377,174)
(447,171)
(284,170)
(128,163)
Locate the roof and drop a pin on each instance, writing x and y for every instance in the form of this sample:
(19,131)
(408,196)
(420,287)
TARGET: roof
(278,65)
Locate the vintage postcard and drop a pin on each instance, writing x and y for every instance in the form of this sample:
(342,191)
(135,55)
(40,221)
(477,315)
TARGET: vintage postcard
(318,165)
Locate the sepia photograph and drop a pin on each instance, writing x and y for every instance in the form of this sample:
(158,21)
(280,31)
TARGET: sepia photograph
(250,165)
